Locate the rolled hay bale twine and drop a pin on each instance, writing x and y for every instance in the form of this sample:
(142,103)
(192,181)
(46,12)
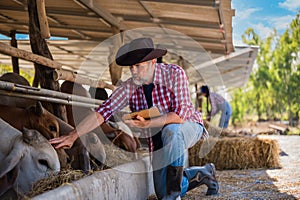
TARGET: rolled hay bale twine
(236,153)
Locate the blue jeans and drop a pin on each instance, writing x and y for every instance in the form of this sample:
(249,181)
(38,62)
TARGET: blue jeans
(169,147)
(225,116)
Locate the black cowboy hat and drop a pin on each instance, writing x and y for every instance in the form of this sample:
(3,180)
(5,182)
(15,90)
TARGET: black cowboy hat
(137,51)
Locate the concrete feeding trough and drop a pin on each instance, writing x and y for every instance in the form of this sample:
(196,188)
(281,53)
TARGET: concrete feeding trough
(117,183)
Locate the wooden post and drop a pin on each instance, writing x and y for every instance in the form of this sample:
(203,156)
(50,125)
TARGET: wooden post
(19,53)
(115,70)
(44,27)
(43,74)
(14,60)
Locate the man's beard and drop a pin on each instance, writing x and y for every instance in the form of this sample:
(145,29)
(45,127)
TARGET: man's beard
(143,79)
(139,81)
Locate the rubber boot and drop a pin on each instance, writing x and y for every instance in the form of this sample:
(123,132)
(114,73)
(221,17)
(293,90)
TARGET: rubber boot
(202,175)
(174,178)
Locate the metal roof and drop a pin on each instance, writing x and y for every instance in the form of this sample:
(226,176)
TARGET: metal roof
(209,22)
(198,30)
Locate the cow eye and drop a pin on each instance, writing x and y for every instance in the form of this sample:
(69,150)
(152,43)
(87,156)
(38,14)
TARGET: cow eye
(52,128)
(44,162)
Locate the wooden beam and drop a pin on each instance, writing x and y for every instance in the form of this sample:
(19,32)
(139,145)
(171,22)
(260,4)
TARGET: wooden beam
(74,77)
(225,15)
(186,2)
(62,26)
(114,69)
(282,129)
(107,16)
(25,55)
(169,21)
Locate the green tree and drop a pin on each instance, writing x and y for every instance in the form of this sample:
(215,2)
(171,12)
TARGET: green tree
(26,73)
(260,78)
(273,87)
(286,68)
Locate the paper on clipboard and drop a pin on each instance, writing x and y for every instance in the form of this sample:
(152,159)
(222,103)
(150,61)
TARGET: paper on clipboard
(147,114)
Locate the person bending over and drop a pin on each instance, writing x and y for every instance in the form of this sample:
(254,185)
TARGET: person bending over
(217,103)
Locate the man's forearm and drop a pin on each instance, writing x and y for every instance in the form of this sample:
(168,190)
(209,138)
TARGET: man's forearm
(169,118)
(89,123)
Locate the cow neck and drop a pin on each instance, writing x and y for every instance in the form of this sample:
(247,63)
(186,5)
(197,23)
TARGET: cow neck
(117,135)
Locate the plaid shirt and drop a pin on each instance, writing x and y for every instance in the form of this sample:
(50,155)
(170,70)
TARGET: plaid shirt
(170,94)
(216,102)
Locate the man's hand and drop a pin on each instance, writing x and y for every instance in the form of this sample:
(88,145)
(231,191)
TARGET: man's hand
(65,141)
(139,122)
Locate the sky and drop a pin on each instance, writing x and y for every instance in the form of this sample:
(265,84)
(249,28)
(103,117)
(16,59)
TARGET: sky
(262,16)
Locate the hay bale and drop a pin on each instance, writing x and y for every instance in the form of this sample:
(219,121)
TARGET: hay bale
(237,153)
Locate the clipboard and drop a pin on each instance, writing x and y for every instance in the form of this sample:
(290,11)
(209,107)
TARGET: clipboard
(147,114)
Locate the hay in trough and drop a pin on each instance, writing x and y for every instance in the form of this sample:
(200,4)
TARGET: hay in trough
(115,157)
(54,181)
(236,153)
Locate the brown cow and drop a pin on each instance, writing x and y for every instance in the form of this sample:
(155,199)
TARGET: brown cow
(34,117)
(15,101)
(75,114)
(77,153)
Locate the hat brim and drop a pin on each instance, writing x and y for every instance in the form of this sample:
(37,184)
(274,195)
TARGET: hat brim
(132,57)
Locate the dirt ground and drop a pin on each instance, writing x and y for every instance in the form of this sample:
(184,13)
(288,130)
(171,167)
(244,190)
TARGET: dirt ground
(281,183)
(259,184)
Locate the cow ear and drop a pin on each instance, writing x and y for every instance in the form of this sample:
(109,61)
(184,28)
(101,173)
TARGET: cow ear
(39,108)
(12,159)
(7,181)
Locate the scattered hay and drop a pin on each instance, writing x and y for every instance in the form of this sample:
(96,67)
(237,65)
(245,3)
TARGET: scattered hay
(54,181)
(116,156)
(224,132)
(237,153)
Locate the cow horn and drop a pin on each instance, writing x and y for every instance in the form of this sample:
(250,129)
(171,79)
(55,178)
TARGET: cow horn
(39,108)
(28,136)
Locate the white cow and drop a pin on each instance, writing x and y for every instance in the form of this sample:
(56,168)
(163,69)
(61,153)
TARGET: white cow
(25,157)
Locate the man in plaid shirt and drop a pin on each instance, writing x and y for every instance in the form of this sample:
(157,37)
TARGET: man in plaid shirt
(178,128)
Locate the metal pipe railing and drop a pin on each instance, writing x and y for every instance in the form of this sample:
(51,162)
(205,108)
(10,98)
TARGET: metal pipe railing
(17,88)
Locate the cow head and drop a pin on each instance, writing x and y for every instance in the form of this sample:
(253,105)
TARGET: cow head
(31,155)
(43,121)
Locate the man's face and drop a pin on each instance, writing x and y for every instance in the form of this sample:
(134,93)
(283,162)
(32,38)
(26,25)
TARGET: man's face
(142,73)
